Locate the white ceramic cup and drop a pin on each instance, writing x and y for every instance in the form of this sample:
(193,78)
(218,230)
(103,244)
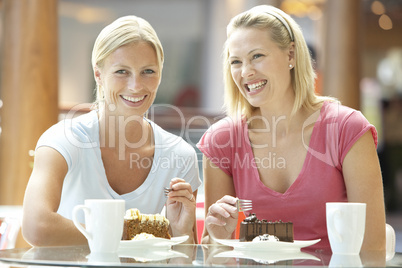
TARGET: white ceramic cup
(101,258)
(344,260)
(104,220)
(346,224)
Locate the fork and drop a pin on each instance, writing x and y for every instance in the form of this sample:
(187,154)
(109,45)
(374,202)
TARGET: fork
(244,205)
(166,190)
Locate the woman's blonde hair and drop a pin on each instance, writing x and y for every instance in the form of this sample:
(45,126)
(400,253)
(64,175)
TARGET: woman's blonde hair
(124,30)
(302,75)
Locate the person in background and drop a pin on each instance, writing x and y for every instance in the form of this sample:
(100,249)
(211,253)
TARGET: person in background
(113,152)
(282,146)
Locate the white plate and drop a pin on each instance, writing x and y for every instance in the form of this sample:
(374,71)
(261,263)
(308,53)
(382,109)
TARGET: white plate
(146,255)
(153,242)
(267,245)
(266,257)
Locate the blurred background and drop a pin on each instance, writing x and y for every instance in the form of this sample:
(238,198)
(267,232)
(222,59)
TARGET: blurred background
(46,69)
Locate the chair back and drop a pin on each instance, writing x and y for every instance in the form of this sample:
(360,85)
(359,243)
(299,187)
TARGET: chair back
(390,241)
(10,224)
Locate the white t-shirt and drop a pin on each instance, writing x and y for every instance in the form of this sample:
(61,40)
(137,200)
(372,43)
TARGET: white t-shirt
(77,140)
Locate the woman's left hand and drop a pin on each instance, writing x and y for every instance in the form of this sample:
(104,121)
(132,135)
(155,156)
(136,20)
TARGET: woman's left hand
(181,207)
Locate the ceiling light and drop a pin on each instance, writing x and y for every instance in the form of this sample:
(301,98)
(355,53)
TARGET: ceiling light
(385,22)
(377,8)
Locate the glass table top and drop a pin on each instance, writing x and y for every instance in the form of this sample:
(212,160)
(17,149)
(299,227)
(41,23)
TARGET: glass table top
(188,255)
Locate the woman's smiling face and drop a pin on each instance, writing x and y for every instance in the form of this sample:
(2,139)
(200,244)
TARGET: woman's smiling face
(259,67)
(130,77)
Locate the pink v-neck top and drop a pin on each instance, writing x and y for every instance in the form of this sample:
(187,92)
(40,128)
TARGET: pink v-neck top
(227,145)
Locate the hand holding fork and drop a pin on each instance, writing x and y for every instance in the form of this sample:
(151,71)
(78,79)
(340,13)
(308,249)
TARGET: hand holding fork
(167,190)
(221,219)
(241,205)
(181,203)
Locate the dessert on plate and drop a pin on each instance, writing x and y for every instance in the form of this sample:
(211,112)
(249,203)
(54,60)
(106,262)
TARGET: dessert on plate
(143,236)
(251,227)
(136,223)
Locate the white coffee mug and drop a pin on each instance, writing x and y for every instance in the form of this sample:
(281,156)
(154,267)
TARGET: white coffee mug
(346,224)
(101,258)
(345,260)
(104,220)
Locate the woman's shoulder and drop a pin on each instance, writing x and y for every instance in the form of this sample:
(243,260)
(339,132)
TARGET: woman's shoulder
(166,140)
(82,130)
(83,121)
(229,122)
(341,113)
(222,132)
(348,121)
(226,125)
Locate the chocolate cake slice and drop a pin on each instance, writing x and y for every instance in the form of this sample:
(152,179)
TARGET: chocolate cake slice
(251,227)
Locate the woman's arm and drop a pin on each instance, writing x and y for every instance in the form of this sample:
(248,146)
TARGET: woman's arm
(220,211)
(41,224)
(362,174)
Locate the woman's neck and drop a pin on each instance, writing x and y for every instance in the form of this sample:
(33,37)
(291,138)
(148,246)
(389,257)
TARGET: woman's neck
(276,116)
(123,132)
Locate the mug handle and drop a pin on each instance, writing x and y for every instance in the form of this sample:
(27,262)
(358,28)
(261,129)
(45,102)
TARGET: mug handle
(78,224)
(335,213)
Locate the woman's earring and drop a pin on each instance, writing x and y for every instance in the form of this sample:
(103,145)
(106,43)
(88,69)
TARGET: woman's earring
(290,66)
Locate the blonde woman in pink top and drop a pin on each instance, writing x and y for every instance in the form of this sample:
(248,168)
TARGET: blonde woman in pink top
(281,146)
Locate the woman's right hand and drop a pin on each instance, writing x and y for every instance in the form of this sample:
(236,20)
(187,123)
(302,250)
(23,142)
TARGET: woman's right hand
(221,220)
(181,208)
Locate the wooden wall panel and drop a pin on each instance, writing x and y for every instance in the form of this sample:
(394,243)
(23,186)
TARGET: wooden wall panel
(342,53)
(29,86)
